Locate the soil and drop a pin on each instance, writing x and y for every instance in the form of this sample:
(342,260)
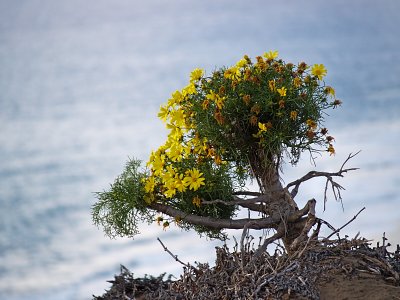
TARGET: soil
(340,269)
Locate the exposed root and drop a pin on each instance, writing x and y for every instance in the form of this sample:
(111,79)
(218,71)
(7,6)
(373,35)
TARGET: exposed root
(300,275)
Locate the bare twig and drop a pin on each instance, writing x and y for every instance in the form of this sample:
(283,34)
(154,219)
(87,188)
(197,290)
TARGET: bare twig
(175,257)
(329,175)
(326,223)
(315,233)
(352,219)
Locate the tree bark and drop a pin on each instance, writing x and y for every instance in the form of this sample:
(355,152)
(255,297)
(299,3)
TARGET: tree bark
(281,204)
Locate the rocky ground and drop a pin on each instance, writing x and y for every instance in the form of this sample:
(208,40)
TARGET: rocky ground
(334,269)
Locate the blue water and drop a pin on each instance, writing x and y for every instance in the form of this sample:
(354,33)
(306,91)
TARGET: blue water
(80,87)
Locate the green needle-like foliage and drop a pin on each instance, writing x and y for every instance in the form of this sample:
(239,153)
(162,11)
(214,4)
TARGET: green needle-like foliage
(122,208)
(240,122)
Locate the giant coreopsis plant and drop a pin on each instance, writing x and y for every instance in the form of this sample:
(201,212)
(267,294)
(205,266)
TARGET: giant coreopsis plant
(240,122)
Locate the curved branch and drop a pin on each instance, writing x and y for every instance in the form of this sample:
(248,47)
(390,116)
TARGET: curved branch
(209,222)
(328,175)
(337,230)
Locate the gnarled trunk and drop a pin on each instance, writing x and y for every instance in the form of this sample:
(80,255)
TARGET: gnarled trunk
(280,203)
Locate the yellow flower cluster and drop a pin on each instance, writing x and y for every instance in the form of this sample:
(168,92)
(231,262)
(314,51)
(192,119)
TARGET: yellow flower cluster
(290,89)
(276,101)
(167,176)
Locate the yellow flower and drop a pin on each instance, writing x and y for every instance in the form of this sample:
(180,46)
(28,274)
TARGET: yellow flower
(163,114)
(232,73)
(189,90)
(205,104)
(196,201)
(247,74)
(218,159)
(149,185)
(319,71)
(158,164)
(196,75)
(193,179)
(175,152)
(220,102)
(297,82)
(330,91)
(264,126)
(271,84)
(175,133)
(242,63)
(331,150)
(211,95)
(167,176)
(293,115)
(282,91)
(169,184)
(311,124)
(176,99)
(169,193)
(165,225)
(210,152)
(270,55)
(180,185)
(178,117)
(159,219)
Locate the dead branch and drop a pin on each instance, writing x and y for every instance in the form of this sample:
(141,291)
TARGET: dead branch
(337,230)
(315,233)
(175,257)
(329,175)
(326,223)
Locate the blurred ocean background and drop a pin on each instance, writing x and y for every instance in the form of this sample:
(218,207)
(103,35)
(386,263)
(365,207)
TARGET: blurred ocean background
(81,83)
